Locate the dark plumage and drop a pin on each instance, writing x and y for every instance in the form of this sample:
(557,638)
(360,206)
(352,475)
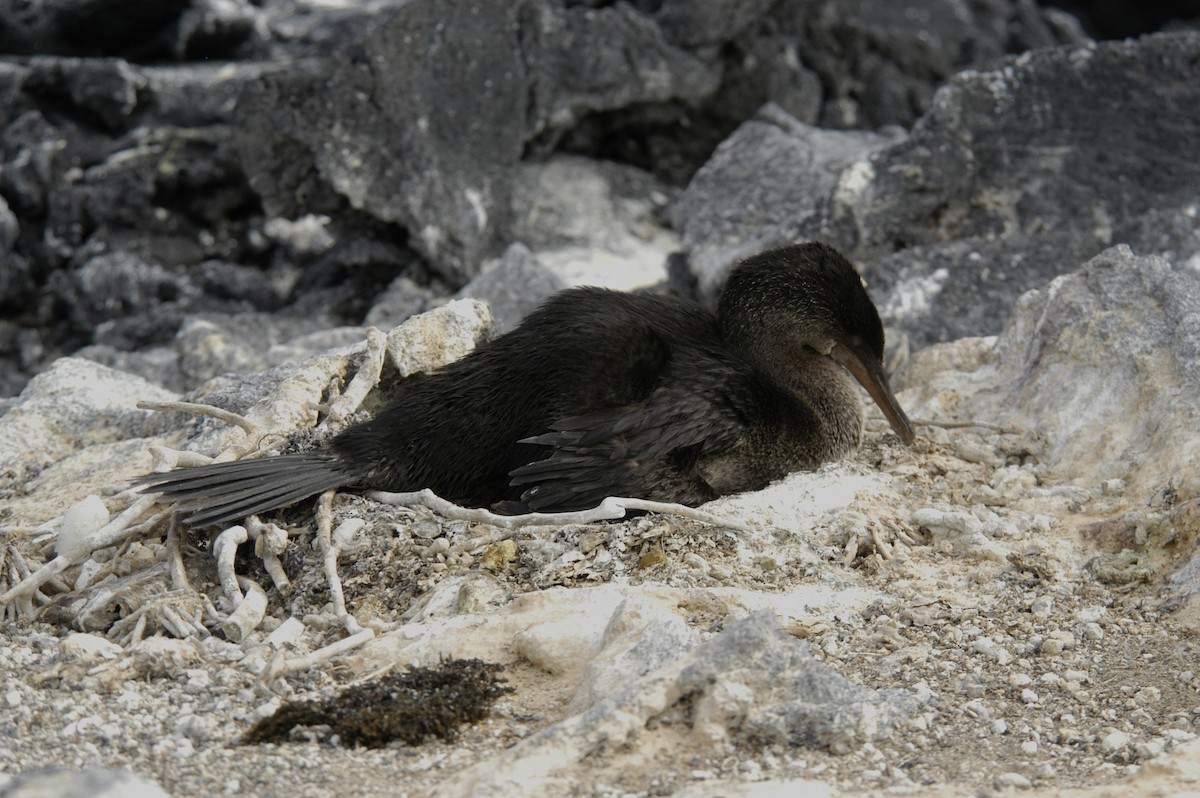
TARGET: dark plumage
(601,393)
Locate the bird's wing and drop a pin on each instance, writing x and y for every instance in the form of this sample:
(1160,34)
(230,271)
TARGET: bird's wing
(650,450)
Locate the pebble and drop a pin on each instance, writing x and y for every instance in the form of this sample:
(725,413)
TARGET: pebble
(498,555)
(12,699)
(1029,747)
(977,710)
(1148,695)
(750,769)
(1068,735)
(197,682)
(985,645)
(1114,741)
(198,728)
(1012,781)
(288,633)
(78,524)
(975,451)
(87,648)
(1050,648)
(1029,696)
(1150,748)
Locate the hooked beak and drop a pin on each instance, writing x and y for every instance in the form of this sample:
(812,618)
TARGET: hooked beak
(859,361)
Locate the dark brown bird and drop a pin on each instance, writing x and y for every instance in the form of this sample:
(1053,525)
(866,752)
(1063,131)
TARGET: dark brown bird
(601,393)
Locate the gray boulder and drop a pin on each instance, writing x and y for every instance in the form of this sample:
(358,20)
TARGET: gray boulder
(769,184)
(1104,363)
(422,115)
(1016,174)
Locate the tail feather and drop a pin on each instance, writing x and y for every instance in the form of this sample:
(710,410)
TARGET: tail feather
(223,492)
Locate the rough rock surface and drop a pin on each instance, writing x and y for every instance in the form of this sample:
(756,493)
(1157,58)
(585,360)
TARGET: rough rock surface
(1104,362)
(997,189)
(294,159)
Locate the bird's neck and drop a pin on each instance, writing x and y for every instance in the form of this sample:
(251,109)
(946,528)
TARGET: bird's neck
(827,390)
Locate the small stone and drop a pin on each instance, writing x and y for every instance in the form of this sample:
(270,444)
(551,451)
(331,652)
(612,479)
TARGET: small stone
(1029,747)
(196,727)
(1093,631)
(79,522)
(1029,696)
(1150,748)
(499,555)
(1114,741)
(975,451)
(286,634)
(1042,606)
(1000,726)
(1017,679)
(977,710)
(1148,695)
(12,699)
(197,682)
(984,645)
(1051,648)
(1068,735)
(1011,781)
(87,649)
(652,558)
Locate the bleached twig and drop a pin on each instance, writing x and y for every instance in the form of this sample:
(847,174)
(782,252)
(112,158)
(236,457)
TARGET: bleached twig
(365,378)
(610,509)
(225,550)
(108,535)
(270,540)
(175,566)
(198,409)
(927,422)
(248,614)
(325,653)
(329,543)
